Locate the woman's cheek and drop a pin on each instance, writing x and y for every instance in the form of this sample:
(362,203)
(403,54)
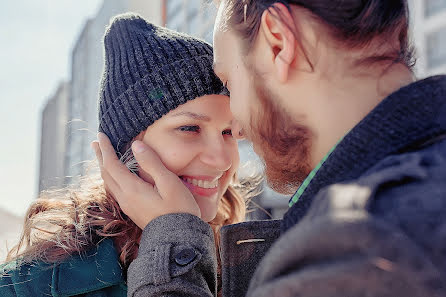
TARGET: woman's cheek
(176,155)
(174,159)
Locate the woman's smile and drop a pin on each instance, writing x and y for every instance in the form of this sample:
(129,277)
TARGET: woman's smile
(202,185)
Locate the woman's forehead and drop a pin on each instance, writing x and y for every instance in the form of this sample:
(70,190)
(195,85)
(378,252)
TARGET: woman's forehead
(206,108)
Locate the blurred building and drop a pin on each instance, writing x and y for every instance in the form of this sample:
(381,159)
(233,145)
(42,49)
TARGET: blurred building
(53,139)
(10,230)
(194,17)
(428,27)
(87,65)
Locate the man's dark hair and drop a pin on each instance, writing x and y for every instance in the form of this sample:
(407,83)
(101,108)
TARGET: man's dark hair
(351,23)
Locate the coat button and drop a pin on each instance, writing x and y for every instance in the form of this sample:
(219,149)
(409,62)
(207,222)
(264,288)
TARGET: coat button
(185,256)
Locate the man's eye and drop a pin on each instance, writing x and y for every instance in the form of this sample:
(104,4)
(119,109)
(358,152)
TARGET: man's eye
(227,132)
(189,129)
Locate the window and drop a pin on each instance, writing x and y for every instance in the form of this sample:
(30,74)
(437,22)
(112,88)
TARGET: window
(193,7)
(173,9)
(436,48)
(432,7)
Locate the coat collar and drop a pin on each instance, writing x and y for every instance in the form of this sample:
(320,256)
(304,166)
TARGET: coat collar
(95,270)
(410,116)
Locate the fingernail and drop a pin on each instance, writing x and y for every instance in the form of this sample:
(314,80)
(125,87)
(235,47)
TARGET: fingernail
(138,146)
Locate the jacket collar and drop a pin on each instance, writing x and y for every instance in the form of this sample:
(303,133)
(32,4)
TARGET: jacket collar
(404,120)
(97,269)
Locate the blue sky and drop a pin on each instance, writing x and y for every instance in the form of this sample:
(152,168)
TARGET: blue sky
(36,38)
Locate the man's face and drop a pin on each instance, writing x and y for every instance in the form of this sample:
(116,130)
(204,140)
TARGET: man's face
(229,66)
(279,139)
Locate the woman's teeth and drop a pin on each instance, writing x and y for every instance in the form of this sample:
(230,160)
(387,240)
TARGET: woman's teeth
(202,183)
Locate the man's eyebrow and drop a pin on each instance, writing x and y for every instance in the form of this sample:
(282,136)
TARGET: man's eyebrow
(195,116)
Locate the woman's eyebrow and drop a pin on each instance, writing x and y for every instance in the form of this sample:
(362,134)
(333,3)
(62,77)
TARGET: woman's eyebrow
(195,116)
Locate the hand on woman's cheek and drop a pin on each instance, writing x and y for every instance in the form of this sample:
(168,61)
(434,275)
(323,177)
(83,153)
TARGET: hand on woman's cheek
(186,160)
(138,199)
(195,142)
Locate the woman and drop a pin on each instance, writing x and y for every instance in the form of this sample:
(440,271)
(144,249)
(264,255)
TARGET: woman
(158,87)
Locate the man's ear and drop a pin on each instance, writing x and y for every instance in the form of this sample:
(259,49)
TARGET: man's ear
(277,25)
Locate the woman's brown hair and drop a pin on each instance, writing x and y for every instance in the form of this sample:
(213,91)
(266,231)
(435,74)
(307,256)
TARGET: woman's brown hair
(70,221)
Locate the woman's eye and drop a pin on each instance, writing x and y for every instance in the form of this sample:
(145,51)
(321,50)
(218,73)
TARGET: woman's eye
(227,132)
(189,128)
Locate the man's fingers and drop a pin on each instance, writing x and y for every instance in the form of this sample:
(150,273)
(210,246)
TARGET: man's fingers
(111,164)
(97,152)
(107,150)
(110,185)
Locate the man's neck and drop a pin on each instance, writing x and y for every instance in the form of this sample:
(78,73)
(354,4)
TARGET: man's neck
(350,98)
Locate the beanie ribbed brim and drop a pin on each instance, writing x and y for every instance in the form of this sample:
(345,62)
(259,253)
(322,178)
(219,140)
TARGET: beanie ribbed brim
(149,98)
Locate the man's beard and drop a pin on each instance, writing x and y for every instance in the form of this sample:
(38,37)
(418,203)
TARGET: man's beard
(284,144)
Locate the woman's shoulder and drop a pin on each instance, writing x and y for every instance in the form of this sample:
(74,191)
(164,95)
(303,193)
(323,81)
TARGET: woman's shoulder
(95,269)
(25,279)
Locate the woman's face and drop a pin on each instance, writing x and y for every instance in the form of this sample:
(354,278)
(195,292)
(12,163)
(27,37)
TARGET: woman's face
(194,141)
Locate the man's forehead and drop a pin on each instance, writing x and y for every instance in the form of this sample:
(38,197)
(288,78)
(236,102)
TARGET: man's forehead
(217,63)
(216,66)
(218,49)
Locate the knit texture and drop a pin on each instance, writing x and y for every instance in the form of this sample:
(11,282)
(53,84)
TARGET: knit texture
(149,71)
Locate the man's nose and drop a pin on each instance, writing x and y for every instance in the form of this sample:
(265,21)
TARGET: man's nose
(217,154)
(237,130)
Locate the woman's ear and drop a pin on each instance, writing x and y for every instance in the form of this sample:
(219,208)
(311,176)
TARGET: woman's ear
(277,26)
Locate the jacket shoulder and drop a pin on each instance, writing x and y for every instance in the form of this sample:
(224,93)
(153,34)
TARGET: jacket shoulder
(406,191)
(31,279)
(409,192)
(95,270)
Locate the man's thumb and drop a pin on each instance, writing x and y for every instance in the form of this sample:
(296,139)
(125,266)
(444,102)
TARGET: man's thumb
(151,169)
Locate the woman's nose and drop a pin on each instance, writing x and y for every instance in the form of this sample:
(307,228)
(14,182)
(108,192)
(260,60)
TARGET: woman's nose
(237,130)
(217,154)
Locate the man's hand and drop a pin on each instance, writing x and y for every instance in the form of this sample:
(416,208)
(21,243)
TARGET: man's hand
(138,198)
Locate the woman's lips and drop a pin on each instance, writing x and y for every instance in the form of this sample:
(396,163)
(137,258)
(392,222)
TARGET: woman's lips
(206,192)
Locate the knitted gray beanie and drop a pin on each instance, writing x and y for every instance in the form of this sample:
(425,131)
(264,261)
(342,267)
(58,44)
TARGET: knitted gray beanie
(149,70)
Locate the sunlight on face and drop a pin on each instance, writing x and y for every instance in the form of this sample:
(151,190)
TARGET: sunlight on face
(194,141)
(230,67)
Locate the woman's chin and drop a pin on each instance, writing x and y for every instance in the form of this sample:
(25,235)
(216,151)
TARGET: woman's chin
(208,213)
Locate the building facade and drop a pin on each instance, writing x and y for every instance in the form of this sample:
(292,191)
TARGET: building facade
(87,65)
(53,139)
(428,26)
(10,230)
(194,17)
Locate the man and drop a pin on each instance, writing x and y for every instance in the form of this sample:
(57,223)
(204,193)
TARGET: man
(325,91)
